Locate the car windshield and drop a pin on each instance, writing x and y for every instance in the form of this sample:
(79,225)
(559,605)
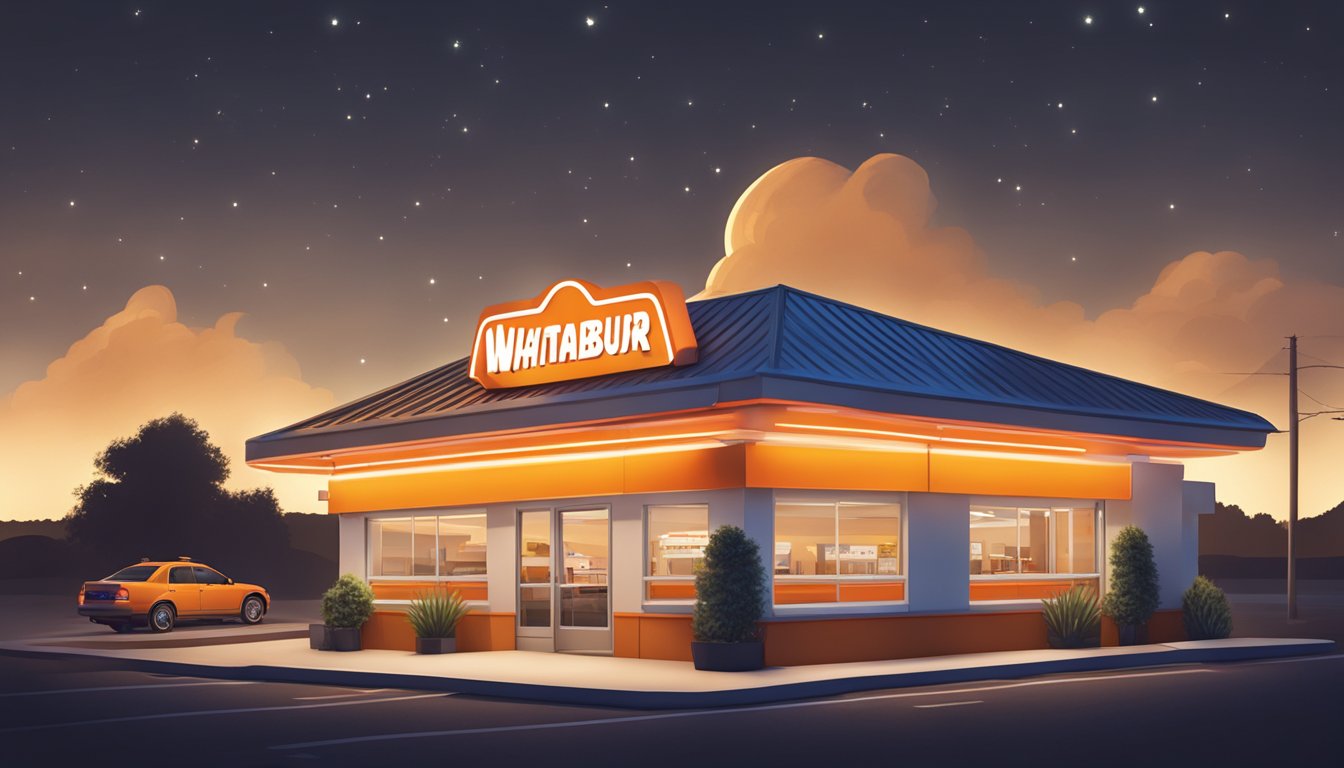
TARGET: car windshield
(134,573)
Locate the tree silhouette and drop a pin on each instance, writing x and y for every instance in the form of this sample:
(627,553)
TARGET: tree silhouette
(161,495)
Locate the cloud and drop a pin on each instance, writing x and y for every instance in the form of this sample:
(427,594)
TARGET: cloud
(866,237)
(142,363)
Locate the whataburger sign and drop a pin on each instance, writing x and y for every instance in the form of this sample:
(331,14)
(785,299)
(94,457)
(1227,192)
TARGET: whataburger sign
(576,330)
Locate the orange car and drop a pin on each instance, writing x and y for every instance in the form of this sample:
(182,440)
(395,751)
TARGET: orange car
(159,593)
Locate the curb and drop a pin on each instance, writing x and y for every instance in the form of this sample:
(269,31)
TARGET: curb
(637,699)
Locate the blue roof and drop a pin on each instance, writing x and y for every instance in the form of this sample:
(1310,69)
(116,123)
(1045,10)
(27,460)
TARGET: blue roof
(783,343)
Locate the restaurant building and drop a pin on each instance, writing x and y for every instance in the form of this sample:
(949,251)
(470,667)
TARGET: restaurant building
(914,492)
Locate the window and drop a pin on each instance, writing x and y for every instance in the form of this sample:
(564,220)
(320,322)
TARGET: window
(181,576)
(208,576)
(677,535)
(134,573)
(837,552)
(443,547)
(1030,552)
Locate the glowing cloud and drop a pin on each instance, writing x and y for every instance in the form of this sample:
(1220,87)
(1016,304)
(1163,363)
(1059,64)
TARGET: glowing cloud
(139,364)
(865,237)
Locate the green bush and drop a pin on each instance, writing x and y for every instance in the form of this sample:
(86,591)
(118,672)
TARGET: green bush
(348,604)
(1073,618)
(436,613)
(729,589)
(1133,596)
(1205,611)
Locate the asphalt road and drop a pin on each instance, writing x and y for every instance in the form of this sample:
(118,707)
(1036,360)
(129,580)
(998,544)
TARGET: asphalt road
(56,712)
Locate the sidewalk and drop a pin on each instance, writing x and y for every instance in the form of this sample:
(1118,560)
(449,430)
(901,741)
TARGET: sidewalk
(642,683)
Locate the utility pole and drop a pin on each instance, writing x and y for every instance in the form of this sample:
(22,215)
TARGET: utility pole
(1292,477)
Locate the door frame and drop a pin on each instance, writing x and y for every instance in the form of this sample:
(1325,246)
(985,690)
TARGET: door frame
(590,640)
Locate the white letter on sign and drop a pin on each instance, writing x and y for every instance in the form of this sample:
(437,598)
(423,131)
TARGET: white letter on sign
(499,350)
(639,332)
(590,339)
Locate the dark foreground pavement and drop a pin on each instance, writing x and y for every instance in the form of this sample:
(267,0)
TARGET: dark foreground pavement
(1282,712)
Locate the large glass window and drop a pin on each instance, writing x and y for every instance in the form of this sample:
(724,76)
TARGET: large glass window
(677,535)
(446,547)
(828,552)
(1031,552)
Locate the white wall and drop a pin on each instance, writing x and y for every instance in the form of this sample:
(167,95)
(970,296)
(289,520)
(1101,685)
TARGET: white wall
(1196,499)
(1157,505)
(938,537)
(350,557)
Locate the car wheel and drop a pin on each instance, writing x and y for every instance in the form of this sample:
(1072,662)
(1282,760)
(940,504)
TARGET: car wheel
(254,609)
(162,617)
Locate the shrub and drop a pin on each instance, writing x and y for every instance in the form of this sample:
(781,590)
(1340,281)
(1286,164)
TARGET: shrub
(1133,596)
(1073,618)
(348,604)
(436,613)
(1205,611)
(729,589)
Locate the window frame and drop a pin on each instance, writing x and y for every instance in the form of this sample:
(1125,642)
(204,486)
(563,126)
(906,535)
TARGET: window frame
(646,577)
(836,501)
(1019,502)
(410,516)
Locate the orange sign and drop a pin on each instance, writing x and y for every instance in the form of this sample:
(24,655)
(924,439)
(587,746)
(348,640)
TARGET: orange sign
(576,330)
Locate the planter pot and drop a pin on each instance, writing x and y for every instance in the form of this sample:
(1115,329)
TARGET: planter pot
(1132,634)
(728,657)
(318,638)
(343,638)
(436,645)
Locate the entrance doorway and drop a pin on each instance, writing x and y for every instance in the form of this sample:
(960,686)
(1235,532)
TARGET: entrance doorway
(564,585)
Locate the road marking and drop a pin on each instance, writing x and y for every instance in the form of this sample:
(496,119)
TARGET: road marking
(1293,660)
(125,688)
(949,704)
(722,711)
(199,712)
(340,695)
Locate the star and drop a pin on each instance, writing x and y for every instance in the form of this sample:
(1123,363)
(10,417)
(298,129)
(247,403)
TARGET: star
(431,281)
(1140,10)
(1171,206)
(72,203)
(589,21)
(1087,20)
(457,44)
(335,22)
(361,361)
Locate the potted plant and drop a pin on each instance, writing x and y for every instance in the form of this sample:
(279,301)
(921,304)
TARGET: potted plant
(1073,618)
(1205,611)
(729,601)
(345,608)
(1133,595)
(434,616)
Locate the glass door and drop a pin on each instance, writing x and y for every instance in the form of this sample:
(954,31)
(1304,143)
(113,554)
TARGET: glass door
(564,600)
(583,620)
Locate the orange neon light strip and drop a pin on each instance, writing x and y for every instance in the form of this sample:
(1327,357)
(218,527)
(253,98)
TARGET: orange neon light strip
(933,438)
(504,451)
(525,460)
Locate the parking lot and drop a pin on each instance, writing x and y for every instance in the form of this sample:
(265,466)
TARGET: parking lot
(58,710)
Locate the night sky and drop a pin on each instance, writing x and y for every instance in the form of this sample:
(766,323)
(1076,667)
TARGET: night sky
(318,164)
(361,179)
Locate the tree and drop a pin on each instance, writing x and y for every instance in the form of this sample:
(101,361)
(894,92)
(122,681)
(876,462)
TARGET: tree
(1133,595)
(729,589)
(161,495)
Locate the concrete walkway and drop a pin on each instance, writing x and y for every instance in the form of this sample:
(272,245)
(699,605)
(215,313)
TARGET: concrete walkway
(643,683)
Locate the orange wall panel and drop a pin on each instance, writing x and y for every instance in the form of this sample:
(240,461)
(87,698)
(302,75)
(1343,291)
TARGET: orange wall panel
(789,466)
(409,590)
(653,635)
(481,485)
(1024,589)
(625,635)
(828,641)
(1009,476)
(389,630)
(686,470)
(1165,626)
